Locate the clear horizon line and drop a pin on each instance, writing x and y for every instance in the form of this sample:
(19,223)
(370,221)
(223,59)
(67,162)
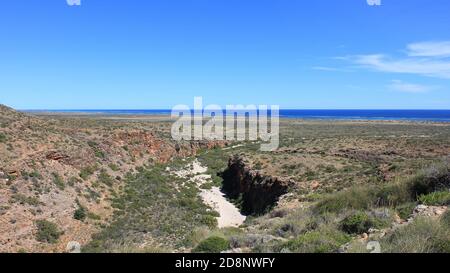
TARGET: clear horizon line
(281,109)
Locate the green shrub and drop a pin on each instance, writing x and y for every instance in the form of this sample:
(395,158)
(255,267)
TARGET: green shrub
(446,219)
(355,198)
(330,169)
(359,223)
(325,240)
(86,172)
(114,167)
(213,244)
(93,216)
(207,186)
(23,199)
(99,154)
(35,174)
(2,138)
(58,181)
(434,178)
(209,220)
(73,180)
(424,235)
(105,178)
(154,203)
(440,198)
(405,210)
(394,195)
(47,232)
(92,144)
(80,214)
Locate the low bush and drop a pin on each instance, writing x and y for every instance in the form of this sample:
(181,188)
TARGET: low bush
(427,181)
(47,232)
(394,195)
(2,138)
(357,198)
(23,199)
(446,219)
(440,198)
(98,153)
(424,235)
(73,180)
(209,220)
(325,240)
(406,210)
(93,216)
(86,172)
(80,214)
(154,203)
(105,178)
(213,244)
(432,179)
(114,167)
(35,174)
(58,181)
(359,223)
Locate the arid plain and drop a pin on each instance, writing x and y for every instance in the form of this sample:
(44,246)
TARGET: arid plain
(121,184)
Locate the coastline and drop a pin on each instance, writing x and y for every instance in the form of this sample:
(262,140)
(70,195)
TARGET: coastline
(164,115)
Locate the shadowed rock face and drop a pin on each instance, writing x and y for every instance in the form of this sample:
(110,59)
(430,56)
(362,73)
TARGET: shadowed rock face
(256,193)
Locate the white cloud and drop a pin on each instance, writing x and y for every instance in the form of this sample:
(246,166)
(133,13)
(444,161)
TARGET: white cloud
(431,59)
(330,69)
(401,86)
(429,49)
(439,68)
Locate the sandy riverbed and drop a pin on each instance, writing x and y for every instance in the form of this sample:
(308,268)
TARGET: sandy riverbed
(230,216)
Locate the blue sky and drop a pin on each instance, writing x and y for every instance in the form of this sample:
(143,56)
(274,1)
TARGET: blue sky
(136,54)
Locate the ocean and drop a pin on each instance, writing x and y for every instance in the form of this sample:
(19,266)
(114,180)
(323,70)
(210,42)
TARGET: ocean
(413,115)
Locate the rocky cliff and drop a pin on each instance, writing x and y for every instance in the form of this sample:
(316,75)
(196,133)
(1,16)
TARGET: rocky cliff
(255,192)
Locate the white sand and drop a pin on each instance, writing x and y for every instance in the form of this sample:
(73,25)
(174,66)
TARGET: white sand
(195,168)
(230,216)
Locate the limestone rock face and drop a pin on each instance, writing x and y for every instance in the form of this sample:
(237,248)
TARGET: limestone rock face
(256,191)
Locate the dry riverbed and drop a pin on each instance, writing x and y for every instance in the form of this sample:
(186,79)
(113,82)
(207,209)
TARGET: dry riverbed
(230,216)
